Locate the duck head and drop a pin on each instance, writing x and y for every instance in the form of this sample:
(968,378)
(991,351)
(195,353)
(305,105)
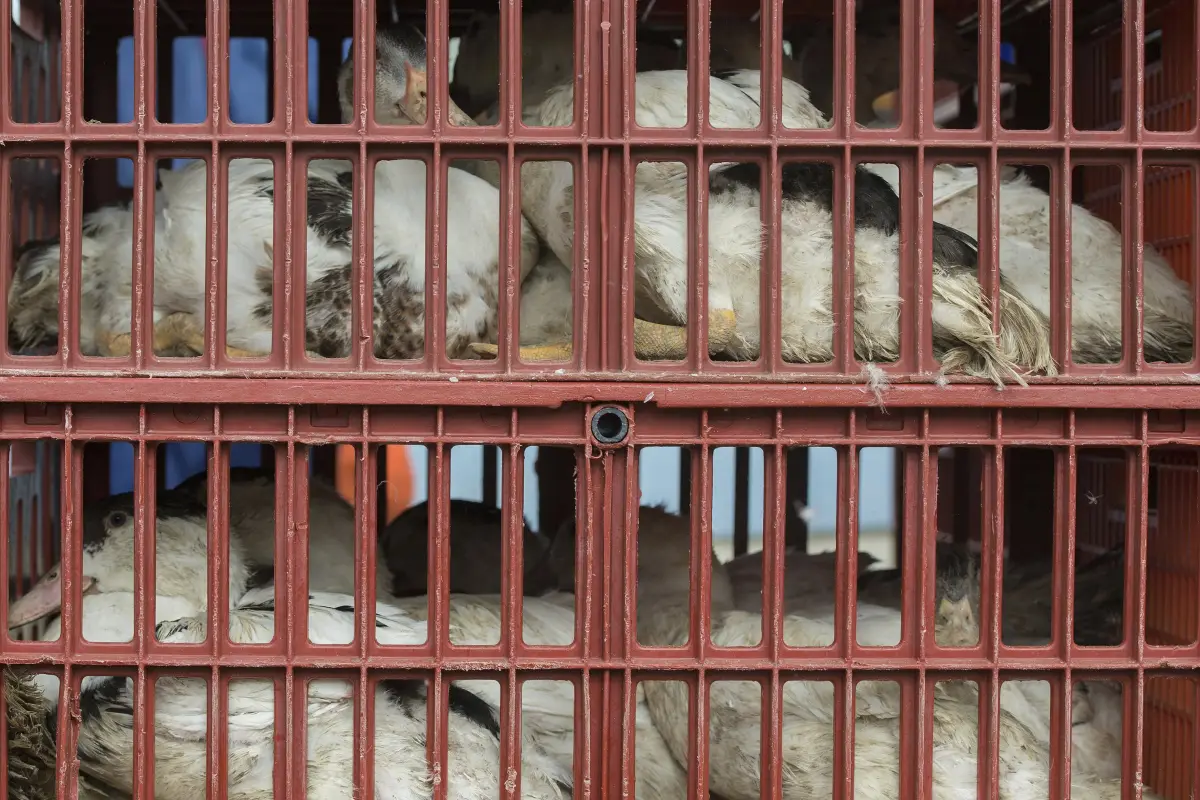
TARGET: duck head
(107,562)
(401,80)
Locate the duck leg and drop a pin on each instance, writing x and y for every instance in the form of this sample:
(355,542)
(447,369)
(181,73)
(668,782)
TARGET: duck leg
(530,354)
(655,342)
(173,333)
(652,341)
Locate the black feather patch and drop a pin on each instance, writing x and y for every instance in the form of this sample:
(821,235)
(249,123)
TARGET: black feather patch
(876,206)
(34,245)
(474,708)
(107,695)
(725,75)
(952,246)
(405,694)
(260,577)
(167,629)
(265,186)
(266,606)
(329,207)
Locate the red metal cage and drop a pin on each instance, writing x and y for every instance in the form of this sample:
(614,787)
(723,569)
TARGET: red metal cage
(1058,472)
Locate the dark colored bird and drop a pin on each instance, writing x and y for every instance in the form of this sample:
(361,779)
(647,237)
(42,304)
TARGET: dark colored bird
(1026,607)
(475,551)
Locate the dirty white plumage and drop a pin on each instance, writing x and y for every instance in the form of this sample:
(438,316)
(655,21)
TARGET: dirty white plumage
(1024,210)
(181,703)
(808,707)
(961,316)
(181,249)
(401,770)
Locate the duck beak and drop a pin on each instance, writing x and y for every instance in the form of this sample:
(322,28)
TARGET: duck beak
(415,104)
(44,599)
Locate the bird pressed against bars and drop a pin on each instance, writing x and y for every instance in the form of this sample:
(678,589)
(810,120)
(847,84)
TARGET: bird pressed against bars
(1099,710)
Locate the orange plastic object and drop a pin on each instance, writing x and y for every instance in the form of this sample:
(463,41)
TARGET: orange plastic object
(399,477)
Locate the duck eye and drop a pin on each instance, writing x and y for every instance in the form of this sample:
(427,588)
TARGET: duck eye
(117,518)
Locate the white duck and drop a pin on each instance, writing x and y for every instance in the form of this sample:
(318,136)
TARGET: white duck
(1024,210)
(961,316)
(180,254)
(180,705)
(734,757)
(181,736)
(107,566)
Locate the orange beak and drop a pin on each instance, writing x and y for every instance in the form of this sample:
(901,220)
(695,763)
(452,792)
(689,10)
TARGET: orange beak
(415,104)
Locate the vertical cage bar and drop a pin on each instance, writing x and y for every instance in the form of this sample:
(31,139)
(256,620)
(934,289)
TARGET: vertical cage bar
(846,603)
(919,49)
(1061,117)
(1134,83)
(699,13)
(362,267)
(439,543)
(8,61)
(216,271)
(144,105)
(843,220)
(288,337)
(292,592)
(363,51)
(843,256)
(68,638)
(1137,531)
(594,199)
(367,513)
(438,631)
(218,80)
(7,242)
(296,246)
(69,249)
(771,766)
(770,334)
(218,604)
(919,553)
(511,77)
(1066,481)
(5,544)
(511,618)
(989,72)
(701,546)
